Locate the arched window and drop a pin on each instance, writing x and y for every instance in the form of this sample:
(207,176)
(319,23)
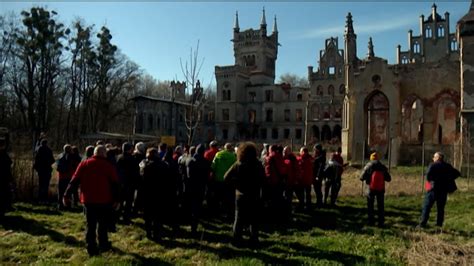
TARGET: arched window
(331,90)
(319,91)
(326,133)
(342,89)
(416,48)
(446,119)
(336,133)
(405,60)
(454,45)
(440,31)
(315,133)
(428,32)
(412,120)
(150,122)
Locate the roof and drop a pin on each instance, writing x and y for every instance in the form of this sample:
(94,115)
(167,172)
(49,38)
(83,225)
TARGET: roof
(151,98)
(113,135)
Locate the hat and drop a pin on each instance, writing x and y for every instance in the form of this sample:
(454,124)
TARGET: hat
(374,156)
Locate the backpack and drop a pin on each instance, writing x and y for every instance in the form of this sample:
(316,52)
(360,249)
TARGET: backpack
(377,181)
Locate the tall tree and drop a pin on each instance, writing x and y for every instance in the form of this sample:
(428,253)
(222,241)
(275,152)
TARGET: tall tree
(39,49)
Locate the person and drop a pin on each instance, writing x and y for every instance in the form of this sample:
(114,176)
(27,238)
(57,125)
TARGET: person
(98,181)
(139,154)
(293,176)
(375,174)
(89,152)
(246,177)
(128,171)
(163,147)
(65,172)
(319,164)
(275,173)
(6,178)
(169,185)
(221,194)
(332,175)
(305,161)
(43,160)
(198,169)
(155,172)
(440,177)
(211,153)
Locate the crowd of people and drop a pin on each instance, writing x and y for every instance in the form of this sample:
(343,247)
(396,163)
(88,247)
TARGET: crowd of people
(169,185)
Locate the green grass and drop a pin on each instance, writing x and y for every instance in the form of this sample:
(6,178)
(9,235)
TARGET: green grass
(42,235)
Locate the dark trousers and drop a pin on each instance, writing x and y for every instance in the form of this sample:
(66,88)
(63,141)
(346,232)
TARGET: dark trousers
(430,198)
(317,185)
(246,214)
(128,198)
(331,187)
(62,185)
(44,179)
(98,219)
(304,196)
(379,195)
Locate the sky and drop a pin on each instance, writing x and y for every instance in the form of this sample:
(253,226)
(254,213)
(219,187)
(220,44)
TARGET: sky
(156,35)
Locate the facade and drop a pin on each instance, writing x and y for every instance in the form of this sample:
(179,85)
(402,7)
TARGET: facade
(362,104)
(170,117)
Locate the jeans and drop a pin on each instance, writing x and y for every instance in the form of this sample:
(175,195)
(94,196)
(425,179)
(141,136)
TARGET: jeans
(430,197)
(98,218)
(379,195)
(304,196)
(246,214)
(333,186)
(317,185)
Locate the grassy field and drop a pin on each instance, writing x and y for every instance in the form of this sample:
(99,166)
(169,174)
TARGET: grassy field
(42,235)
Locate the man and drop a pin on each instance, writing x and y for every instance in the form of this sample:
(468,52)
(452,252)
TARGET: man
(306,179)
(440,177)
(319,164)
(43,160)
(98,181)
(198,169)
(332,174)
(128,171)
(221,194)
(375,175)
(211,153)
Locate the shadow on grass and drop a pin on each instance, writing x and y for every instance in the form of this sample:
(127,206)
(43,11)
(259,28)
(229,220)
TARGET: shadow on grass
(36,228)
(269,253)
(139,259)
(37,209)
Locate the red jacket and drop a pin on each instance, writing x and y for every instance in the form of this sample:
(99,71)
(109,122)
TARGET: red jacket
(210,154)
(293,170)
(97,178)
(274,169)
(306,166)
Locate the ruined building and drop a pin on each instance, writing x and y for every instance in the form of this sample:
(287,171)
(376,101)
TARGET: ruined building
(362,103)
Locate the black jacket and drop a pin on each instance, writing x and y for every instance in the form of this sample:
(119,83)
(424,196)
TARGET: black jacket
(247,178)
(440,174)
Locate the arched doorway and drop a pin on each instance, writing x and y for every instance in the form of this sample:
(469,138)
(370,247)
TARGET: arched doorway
(315,131)
(378,122)
(336,133)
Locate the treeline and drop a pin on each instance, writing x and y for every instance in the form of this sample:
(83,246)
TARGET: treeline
(65,80)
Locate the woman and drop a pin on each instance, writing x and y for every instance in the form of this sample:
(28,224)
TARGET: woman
(246,176)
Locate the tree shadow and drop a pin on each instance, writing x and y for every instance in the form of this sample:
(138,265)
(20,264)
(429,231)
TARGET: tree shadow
(139,259)
(37,209)
(36,228)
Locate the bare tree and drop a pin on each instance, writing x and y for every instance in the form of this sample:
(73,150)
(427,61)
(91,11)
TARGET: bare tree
(193,112)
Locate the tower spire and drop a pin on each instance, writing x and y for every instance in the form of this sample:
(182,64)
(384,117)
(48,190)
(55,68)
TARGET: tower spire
(275,28)
(370,52)
(236,22)
(433,11)
(349,27)
(263,22)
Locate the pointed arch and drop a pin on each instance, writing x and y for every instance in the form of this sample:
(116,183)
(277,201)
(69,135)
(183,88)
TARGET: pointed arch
(326,133)
(412,119)
(377,121)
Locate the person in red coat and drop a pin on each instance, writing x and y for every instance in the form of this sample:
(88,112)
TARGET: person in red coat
(275,173)
(305,161)
(211,153)
(98,180)
(293,175)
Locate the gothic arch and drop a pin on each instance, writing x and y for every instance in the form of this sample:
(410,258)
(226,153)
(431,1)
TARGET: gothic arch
(315,133)
(326,133)
(446,119)
(336,132)
(377,114)
(412,119)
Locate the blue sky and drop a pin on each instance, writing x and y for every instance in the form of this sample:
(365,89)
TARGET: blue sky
(156,35)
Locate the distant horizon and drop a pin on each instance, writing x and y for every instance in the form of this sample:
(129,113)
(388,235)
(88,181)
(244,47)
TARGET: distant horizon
(155,35)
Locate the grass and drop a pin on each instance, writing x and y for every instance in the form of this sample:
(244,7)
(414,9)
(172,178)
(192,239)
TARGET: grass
(41,235)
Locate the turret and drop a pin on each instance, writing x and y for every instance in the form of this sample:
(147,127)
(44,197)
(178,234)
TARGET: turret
(263,23)
(399,49)
(370,52)
(350,44)
(236,22)
(275,28)
(433,12)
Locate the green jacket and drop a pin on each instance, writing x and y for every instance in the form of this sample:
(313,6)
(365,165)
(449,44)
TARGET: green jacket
(221,163)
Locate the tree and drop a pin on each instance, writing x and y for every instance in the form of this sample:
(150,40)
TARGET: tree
(39,51)
(293,80)
(193,112)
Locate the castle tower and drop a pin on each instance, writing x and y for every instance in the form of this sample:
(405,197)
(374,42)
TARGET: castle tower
(256,52)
